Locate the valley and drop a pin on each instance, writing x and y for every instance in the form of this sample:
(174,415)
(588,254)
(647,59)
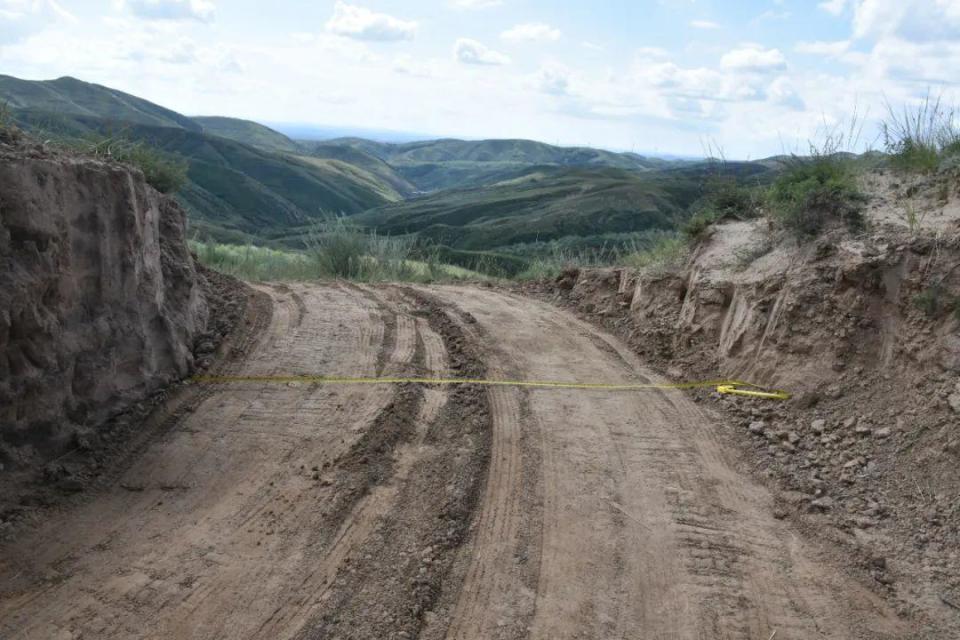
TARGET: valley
(247,183)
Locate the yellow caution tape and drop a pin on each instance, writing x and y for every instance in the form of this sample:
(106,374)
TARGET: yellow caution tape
(731,387)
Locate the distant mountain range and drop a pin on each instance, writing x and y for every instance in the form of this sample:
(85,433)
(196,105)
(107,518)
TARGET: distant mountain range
(249,182)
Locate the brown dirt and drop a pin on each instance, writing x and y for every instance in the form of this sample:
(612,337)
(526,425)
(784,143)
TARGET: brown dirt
(310,511)
(865,456)
(99,299)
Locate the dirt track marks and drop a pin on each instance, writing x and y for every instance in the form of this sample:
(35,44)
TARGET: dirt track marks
(647,532)
(309,511)
(221,522)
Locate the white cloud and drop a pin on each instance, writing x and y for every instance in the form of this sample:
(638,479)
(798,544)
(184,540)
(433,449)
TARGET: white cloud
(476,4)
(782,92)
(554,80)
(532,32)
(753,58)
(20,18)
(472,52)
(408,65)
(201,10)
(835,7)
(652,53)
(823,48)
(914,21)
(361,23)
(704,24)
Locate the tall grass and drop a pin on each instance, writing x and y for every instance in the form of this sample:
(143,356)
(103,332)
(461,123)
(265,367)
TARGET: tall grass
(335,249)
(256,263)
(667,253)
(556,260)
(920,137)
(651,252)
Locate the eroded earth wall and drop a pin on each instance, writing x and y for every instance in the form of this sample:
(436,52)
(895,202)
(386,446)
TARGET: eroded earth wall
(99,297)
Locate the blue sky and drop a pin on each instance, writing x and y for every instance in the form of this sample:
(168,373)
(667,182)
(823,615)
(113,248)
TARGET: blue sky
(753,77)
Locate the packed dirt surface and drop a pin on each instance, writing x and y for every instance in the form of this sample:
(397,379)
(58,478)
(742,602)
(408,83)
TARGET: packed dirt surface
(300,510)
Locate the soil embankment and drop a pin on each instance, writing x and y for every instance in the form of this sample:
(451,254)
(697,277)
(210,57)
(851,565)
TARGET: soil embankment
(100,302)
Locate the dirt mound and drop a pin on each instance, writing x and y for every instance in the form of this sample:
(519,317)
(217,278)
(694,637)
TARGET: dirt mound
(99,298)
(865,331)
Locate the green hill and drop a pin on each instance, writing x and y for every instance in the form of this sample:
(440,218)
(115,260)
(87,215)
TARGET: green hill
(245,180)
(359,158)
(69,96)
(236,192)
(247,132)
(543,204)
(433,165)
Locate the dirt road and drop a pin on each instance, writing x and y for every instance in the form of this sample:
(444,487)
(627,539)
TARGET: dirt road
(306,511)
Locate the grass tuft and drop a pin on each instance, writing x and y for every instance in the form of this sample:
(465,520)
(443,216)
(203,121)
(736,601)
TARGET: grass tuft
(666,253)
(336,249)
(917,139)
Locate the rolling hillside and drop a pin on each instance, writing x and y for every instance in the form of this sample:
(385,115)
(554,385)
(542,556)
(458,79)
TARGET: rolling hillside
(544,204)
(246,181)
(247,132)
(71,97)
(434,165)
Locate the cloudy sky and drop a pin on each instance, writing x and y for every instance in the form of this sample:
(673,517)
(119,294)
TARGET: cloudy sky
(754,77)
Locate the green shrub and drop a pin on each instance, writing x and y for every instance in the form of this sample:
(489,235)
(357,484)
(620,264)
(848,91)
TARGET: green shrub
(164,172)
(695,228)
(813,193)
(338,249)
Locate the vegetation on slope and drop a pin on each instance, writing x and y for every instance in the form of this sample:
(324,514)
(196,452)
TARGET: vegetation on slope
(359,158)
(234,192)
(247,132)
(72,97)
(922,138)
(442,164)
(336,249)
(545,205)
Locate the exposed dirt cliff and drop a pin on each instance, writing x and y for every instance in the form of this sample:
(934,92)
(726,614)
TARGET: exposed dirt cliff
(864,330)
(100,302)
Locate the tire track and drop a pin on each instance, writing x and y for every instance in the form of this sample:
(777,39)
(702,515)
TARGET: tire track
(647,531)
